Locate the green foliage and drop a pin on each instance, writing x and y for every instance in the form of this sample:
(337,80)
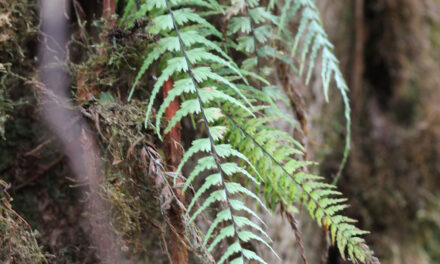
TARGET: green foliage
(315,40)
(242,153)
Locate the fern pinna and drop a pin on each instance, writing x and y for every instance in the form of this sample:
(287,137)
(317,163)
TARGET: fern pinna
(242,154)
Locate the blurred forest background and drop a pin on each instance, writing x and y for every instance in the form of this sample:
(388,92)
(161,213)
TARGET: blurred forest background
(390,55)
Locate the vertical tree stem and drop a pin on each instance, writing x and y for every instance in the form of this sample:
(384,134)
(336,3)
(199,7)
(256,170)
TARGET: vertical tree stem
(174,156)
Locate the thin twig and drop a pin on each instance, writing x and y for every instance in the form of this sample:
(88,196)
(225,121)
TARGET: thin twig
(39,173)
(17,215)
(37,148)
(162,236)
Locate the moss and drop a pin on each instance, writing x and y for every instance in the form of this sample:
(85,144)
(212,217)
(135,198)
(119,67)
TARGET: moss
(18,242)
(135,208)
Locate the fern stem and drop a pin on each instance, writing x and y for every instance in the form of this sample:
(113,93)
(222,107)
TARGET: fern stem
(294,225)
(255,42)
(206,125)
(259,145)
(347,135)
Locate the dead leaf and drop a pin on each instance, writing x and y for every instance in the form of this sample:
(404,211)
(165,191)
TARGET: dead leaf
(116,160)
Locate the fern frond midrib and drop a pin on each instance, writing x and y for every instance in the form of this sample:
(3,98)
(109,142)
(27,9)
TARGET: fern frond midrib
(206,125)
(255,41)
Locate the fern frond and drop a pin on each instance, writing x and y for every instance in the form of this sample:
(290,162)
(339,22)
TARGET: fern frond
(315,40)
(320,199)
(240,142)
(202,101)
